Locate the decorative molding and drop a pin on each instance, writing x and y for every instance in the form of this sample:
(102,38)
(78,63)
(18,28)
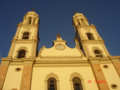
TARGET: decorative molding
(75,74)
(39,54)
(52,75)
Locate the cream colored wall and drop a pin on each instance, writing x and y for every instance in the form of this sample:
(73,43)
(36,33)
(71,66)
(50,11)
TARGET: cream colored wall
(13,78)
(18,45)
(26,28)
(63,73)
(90,47)
(85,30)
(66,52)
(111,76)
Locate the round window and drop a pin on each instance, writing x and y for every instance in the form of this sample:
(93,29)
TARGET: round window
(114,86)
(18,69)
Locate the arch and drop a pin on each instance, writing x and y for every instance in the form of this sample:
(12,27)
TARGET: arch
(73,75)
(25,32)
(22,48)
(90,33)
(90,36)
(25,35)
(21,53)
(96,50)
(52,75)
(52,84)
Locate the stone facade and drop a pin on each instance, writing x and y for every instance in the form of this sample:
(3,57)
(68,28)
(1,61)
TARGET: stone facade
(89,62)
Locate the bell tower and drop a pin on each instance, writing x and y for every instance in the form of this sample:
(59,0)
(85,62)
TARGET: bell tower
(87,37)
(24,43)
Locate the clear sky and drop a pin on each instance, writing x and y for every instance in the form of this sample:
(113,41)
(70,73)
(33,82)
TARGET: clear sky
(56,17)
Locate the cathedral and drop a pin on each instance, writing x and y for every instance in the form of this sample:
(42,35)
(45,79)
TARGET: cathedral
(88,66)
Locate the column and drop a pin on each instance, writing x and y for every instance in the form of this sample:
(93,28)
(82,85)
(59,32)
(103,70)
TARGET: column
(116,63)
(24,20)
(86,49)
(32,49)
(36,21)
(76,23)
(3,72)
(26,76)
(81,23)
(99,75)
(35,32)
(80,34)
(27,21)
(32,20)
(11,48)
(86,22)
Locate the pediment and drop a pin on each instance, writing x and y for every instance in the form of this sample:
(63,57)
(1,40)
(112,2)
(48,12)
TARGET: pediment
(60,49)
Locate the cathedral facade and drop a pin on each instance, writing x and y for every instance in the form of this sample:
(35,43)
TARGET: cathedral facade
(88,66)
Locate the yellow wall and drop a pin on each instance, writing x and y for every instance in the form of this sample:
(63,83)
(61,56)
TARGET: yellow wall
(13,78)
(111,76)
(63,73)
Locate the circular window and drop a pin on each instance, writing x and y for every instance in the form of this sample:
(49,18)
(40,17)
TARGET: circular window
(105,66)
(18,69)
(114,86)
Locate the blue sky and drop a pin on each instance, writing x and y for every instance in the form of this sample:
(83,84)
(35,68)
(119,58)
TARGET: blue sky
(56,17)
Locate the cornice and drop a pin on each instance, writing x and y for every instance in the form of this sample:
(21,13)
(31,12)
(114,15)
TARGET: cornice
(114,57)
(39,54)
(61,61)
(92,41)
(62,65)
(26,40)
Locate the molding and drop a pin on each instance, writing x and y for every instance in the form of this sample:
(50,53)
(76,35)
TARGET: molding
(62,65)
(75,74)
(114,57)
(61,61)
(52,75)
(39,54)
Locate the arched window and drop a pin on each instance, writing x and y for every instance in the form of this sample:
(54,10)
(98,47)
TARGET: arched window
(52,84)
(90,36)
(21,54)
(98,53)
(26,35)
(77,84)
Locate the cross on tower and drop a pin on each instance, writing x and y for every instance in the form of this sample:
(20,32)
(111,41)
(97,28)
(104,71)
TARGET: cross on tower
(58,35)
(74,11)
(33,9)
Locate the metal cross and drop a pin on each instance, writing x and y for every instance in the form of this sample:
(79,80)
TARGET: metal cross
(74,11)
(58,35)
(33,9)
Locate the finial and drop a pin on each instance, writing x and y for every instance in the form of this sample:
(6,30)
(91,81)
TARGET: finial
(58,35)
(33,9)
(74,11)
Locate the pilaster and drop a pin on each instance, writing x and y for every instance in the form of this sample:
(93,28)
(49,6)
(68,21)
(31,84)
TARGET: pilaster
(116,62)
(3,70)
(98,73)
(27,74)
